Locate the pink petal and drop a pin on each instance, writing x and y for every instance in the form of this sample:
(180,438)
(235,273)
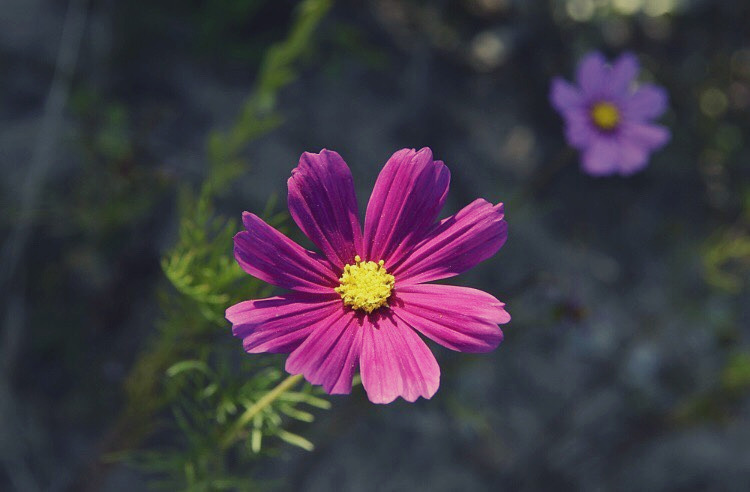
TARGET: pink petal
(459,318)
(329,356)
(564,96)
(602,157)
(267,254)
(396,362)
(455,244)
(624,71)
(647,102)
(279,324)
(405,203)
(592,74)
(322,203)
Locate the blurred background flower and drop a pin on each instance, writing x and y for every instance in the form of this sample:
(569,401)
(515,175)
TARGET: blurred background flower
(607,118)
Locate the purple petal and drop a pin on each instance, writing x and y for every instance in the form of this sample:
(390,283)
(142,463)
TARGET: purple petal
(405,202)
(396,362)
(592,74)
(578,130)
(267,254)
(279,324)
(455,244)
(647,102)
(633,157)
(644,134)
(601,157)
(322,203)
(330,354)
(459,318)
(564,96)
(624,71)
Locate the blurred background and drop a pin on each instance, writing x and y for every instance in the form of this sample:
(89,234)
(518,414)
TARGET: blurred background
(130,132)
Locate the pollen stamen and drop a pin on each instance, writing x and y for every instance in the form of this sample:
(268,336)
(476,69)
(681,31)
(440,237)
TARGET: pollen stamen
(365,285)
(605,115)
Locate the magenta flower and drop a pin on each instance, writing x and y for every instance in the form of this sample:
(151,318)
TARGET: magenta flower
(358,305)
(609,120)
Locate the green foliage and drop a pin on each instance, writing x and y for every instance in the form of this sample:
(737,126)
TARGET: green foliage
(114,172)
(721,401)
(224,406)
(236,29)
(206,401)
(200,265)
(736,375)
(726,259)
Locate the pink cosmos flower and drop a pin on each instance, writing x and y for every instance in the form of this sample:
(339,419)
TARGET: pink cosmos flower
(360,304)
(607,118)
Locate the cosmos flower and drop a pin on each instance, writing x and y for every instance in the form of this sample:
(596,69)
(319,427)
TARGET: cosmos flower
(360,304)
(607,118)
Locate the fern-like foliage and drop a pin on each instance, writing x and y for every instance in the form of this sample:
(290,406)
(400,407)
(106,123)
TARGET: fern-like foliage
(217,408)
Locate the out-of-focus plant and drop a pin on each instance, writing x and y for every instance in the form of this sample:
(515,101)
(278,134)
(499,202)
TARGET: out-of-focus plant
(727,256)
(720,402)
(726,266)
(223,407)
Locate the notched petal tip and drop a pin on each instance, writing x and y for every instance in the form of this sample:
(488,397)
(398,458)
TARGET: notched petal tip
(322,203)
(500,208)
(395,362)
(407,197)
(456,244)
(248,220)
(424,151)
(592,73)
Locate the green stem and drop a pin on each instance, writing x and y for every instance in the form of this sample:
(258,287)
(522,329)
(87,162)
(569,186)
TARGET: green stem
(259,405)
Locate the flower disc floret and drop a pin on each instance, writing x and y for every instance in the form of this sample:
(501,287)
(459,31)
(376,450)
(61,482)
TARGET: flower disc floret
(605,115)
(365,285)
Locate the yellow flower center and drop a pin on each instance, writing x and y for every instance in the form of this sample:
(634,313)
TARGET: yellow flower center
(605,115)
(366,285)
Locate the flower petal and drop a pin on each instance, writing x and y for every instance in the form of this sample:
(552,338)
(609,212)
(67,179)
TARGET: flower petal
(322,203)
(633,157)
(267,254)
(455,244)
(279,324)
(330,354)
(623,73)
(405,202)
(592,74)
(578,130)
(601,157)
(564,96)
(459,318)
(396,362)
(647,102)
(645,134)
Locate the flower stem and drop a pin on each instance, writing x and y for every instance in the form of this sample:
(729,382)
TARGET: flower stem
(259,405)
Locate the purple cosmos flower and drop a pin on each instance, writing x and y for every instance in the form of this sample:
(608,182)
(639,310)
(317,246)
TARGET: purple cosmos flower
(359,303)
(609,120)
